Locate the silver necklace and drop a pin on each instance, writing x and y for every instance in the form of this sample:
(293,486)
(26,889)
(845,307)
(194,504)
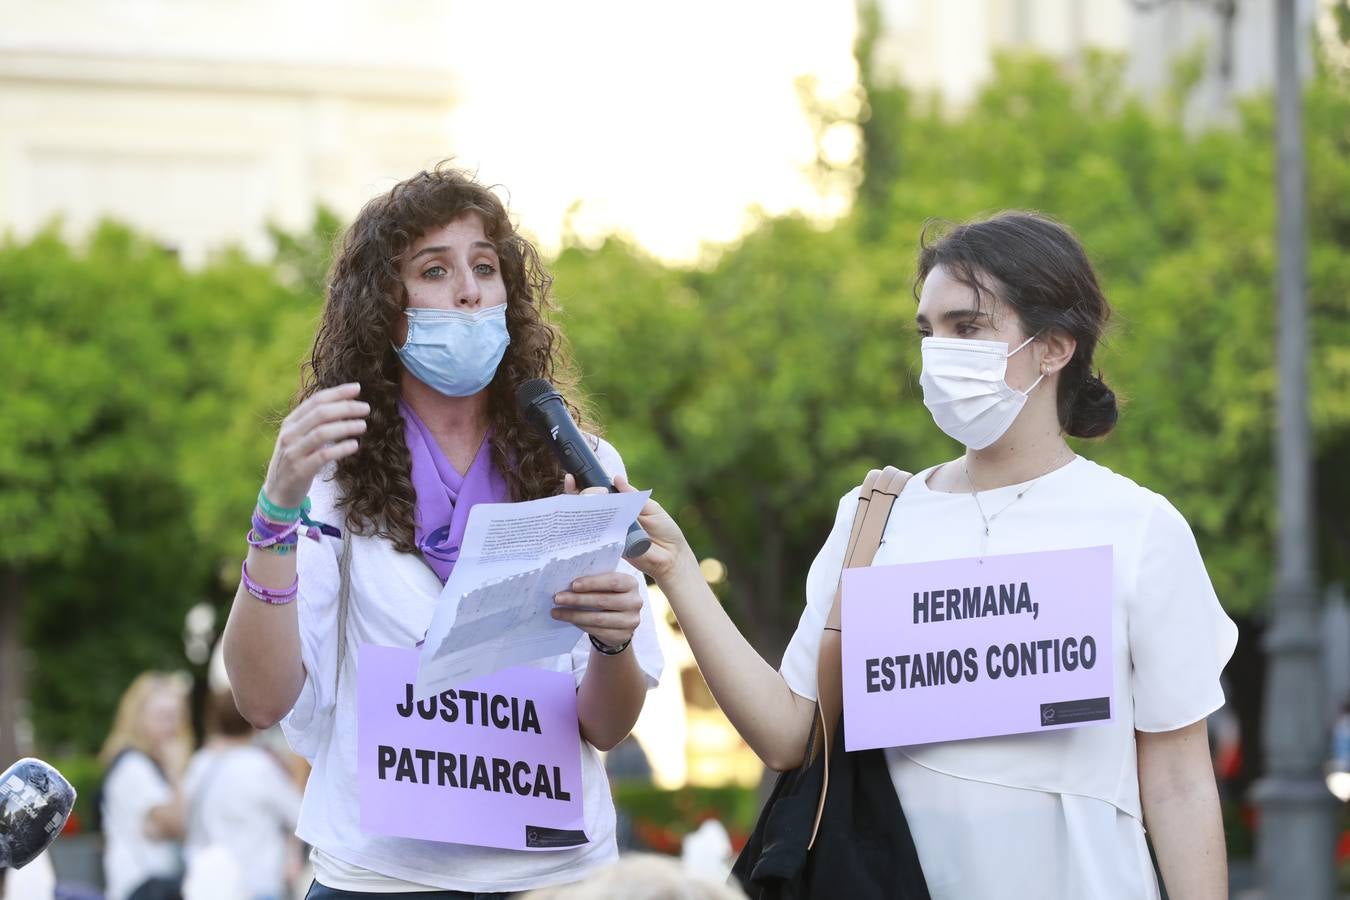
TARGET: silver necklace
(989,520)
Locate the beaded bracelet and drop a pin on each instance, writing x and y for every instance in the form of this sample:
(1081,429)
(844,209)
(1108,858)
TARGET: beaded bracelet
(279,547)
(281,514)
(266,594)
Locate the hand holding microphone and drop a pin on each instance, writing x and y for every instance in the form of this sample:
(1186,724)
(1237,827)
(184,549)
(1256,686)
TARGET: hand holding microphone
(607,607)
(545,411)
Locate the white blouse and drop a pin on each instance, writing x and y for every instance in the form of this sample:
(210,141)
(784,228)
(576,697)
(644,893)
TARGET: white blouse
(393,596)
(1054,814)
(133,787)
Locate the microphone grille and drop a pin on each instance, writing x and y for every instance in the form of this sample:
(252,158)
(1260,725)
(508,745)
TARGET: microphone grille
(532,390)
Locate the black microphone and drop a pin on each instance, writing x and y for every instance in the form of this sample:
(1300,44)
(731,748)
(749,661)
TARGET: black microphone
(545,411)
(35,801)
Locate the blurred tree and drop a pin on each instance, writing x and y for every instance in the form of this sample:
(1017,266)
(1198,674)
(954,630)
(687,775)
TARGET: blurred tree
(1180,226)
(87,488)
(250,327)
(135,436)
(302,257)
(753,394)
(881,121)
(750,394)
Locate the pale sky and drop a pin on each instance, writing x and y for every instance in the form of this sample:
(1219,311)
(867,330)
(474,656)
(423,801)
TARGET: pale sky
(664,121)
(668,122)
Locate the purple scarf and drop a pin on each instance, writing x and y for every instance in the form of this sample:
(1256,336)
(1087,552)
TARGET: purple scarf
(444,496)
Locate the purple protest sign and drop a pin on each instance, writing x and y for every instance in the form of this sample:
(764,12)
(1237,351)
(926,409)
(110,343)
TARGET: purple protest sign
(964,648)
(495,762)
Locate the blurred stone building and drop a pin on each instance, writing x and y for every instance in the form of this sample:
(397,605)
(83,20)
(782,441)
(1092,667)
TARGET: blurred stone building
(948,46)
(201,122)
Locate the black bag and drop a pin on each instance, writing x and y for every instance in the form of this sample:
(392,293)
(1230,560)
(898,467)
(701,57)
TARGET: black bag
(833,827)
(863,849)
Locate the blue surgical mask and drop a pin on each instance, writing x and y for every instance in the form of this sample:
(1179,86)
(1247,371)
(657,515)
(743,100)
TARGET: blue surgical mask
(454,352)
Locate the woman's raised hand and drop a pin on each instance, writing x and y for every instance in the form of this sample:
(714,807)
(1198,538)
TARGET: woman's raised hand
(321,429)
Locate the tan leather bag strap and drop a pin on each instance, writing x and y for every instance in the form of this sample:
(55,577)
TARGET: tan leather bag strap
(879,490)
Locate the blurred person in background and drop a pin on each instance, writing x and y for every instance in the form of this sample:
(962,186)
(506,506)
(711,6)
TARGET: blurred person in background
(642,876)
(435,315)
(144,759)
(1010,312)
(240,798)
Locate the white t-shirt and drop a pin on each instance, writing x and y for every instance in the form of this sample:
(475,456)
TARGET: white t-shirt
(241,798)
(1052,814)
(393,596)
(132,788)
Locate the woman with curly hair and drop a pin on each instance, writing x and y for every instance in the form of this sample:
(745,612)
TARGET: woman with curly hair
(406,419)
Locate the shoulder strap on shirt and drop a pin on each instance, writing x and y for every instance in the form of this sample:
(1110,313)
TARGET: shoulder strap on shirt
(879,490)
(344,603)
(198,802)
(101,792)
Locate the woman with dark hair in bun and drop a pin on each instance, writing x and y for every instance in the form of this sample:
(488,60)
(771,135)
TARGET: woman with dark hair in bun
(1010,313)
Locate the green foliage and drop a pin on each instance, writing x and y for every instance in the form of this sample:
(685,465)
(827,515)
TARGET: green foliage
(302,258)
(1340,11)
(751,394)
(85,774)
(662,818)
(78,413)
(766,386)
(248,333)
(136,416)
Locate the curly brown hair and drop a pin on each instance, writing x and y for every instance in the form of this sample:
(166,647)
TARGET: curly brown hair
(355,343)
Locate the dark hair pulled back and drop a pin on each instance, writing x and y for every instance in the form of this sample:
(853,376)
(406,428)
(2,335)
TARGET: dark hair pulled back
(1036,266)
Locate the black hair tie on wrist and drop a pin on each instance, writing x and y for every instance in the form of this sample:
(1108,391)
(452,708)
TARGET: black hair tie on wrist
(606,648)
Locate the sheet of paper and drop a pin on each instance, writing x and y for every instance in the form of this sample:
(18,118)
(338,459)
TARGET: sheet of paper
(495,610)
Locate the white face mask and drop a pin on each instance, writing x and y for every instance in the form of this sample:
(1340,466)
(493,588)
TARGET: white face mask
(963,388)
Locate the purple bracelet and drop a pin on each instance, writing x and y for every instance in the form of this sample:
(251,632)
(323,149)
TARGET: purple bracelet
(268,528)
(266,534)
(266,594)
